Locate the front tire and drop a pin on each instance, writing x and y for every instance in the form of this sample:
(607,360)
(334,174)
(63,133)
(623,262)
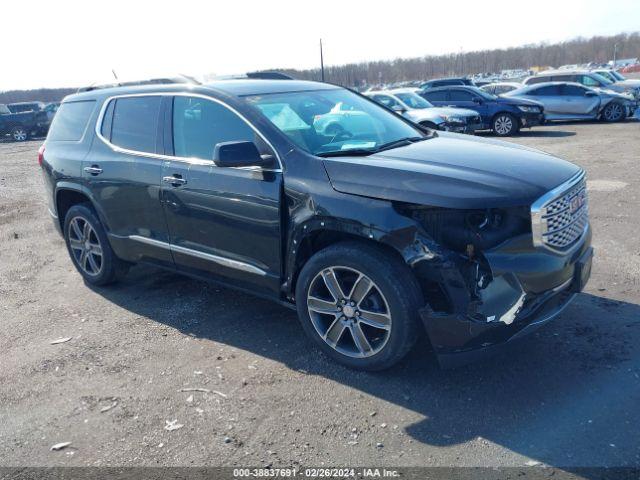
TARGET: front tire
(359,304)
(505,124)
(614,112)
(89,247)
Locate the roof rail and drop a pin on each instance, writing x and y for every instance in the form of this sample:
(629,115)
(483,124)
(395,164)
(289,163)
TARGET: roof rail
(148,81)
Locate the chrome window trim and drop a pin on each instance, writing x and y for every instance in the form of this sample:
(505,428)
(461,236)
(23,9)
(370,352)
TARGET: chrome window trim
(224,261)
(537,212)
(194,161)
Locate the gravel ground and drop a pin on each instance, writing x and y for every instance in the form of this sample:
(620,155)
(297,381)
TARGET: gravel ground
(567,396)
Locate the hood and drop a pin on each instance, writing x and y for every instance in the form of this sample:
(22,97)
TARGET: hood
(630,83)
(452,171)
(515,100)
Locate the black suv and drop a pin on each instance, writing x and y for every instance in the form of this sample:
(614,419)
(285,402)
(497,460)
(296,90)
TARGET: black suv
(320,199)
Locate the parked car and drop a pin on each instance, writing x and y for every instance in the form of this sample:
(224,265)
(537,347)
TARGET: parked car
(344,119)
(586,78)
(617,77)
(500,88)
(505,116)
(572,101)
(408,103)
(21,107)
(443,82)
(370,237)
(21,126)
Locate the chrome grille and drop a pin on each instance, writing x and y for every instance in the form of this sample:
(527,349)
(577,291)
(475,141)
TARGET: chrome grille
(560,218)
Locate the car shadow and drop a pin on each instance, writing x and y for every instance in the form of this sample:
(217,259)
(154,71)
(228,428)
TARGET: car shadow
(566,396)
(530,133)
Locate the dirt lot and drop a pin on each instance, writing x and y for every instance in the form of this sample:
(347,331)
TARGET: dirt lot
(568,396)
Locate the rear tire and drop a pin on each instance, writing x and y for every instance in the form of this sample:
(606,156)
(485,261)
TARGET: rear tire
(19,134)
(89,247)
(504,124)
(371,327)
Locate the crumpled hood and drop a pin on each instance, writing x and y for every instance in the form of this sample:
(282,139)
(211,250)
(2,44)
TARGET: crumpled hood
(453,171)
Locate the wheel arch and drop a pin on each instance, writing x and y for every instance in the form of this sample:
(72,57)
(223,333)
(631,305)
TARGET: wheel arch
(313,238)
(69,194)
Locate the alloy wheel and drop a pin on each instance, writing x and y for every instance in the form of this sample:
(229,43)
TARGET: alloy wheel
(85,246)
(613,112)
(19,134)
(503,125)
(349,311)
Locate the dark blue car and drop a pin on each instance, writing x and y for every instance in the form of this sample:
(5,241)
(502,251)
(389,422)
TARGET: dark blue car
(505,116)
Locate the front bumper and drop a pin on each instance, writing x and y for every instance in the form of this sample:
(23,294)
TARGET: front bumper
(529,288)
(459,127)
(530,119)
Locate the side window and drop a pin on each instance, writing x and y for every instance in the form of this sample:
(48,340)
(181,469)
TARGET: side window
(573,91)
(135,123)
(589,81)
(564,78)
(461,96)
(200,124)
(71,121)
(548,91)
(439,96)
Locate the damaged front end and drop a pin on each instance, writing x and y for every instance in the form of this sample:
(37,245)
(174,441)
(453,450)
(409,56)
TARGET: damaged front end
(490,283)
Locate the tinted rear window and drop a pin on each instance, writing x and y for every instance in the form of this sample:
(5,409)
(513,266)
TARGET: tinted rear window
(71,121)
(135,123)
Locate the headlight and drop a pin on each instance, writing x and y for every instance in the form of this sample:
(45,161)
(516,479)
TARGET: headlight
(527,108)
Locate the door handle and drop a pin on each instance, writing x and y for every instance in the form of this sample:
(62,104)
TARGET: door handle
(93,170)
(174,180)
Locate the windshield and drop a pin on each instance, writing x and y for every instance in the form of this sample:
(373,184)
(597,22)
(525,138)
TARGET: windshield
(618,76)
(334,121)
(413,100)
(607,75)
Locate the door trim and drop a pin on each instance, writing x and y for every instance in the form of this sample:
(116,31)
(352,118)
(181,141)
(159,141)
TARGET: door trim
(224,261)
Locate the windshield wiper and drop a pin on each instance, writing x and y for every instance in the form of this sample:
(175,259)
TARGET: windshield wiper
(356,152)
(399,143)
(362,152)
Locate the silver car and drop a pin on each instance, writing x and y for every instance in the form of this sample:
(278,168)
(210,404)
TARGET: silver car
(500,88)
(409,104)
(584,77)
(572,101)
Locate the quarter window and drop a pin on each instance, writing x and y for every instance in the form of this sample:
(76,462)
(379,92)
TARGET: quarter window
(71,121)
(200,124)
(135,123)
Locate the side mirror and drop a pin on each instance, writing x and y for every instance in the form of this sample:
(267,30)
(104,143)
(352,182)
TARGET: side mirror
(477,100)
(398,108)
(237,154)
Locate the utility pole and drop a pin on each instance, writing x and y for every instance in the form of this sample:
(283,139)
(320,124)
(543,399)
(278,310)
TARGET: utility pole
(615,54)
(321,62)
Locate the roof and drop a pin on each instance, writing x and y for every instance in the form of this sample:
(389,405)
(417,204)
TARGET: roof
(568,71)
(240,87)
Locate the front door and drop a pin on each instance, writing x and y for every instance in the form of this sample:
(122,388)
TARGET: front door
(224,223)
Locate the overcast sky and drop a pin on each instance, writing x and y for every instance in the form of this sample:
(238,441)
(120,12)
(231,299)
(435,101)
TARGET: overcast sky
(73,43)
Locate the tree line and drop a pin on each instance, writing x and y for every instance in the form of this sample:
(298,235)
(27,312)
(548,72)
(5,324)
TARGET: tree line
(576,51)
(580,50)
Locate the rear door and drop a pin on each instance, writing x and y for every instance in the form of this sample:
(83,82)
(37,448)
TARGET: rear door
(551,97)
(439,98)
(123,173)
(224,223)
